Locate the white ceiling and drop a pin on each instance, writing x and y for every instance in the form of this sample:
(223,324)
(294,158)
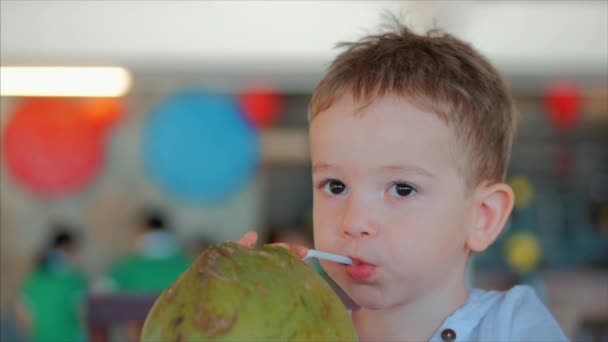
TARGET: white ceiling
(294,39)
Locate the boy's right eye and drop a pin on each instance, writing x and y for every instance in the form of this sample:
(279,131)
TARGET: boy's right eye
(334,187)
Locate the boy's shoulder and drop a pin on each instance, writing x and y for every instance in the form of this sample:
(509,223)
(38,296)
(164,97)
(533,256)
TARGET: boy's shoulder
(516,314)
(520,315)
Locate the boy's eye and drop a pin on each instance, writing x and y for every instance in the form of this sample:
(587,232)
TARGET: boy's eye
(402,190)
(334,187)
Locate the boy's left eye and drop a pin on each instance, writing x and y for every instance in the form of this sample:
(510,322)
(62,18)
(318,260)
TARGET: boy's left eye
(402,190)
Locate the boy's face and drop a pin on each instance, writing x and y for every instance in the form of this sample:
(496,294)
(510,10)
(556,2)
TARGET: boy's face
(389,190)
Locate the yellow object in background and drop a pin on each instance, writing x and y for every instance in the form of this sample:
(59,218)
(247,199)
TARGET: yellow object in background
(523,252)
(524,191)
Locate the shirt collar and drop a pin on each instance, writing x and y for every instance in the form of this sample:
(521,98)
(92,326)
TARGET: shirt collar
(467,317)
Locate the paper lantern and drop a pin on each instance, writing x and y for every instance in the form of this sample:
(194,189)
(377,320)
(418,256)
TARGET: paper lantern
(261,106)
(562,101)
(51,147)
(198,147)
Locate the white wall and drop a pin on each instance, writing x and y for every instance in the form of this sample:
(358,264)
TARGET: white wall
(521,36)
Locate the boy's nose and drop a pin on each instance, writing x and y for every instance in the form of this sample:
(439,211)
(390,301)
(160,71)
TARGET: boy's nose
(356,221)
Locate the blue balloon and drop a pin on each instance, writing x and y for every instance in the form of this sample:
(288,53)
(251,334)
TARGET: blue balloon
(199,147)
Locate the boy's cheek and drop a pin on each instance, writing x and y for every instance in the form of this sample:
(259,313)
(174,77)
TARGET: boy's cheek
(321,239)
(327,227)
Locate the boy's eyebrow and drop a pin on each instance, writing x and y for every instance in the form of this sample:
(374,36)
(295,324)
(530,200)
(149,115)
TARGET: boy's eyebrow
(320,167)
(408,168)
(392,168)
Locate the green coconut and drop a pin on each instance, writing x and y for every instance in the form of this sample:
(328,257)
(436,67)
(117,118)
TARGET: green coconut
(233,293)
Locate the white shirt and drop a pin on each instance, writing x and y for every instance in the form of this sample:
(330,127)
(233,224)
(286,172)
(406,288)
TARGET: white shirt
(514,315)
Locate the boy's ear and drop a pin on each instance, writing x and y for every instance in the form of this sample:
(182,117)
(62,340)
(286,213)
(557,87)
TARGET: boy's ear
(493,204)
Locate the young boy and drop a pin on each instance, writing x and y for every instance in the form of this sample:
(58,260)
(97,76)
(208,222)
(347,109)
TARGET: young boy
(410,137)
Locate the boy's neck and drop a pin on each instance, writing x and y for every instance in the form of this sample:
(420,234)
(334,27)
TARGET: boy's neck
(413,321)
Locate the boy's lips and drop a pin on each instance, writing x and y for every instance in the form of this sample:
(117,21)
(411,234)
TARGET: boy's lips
(360,270)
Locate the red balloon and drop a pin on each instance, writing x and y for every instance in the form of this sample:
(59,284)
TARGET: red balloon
(261,106)
(51,146)
(562,101)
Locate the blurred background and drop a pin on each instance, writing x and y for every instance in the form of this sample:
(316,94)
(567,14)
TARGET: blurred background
(157,128)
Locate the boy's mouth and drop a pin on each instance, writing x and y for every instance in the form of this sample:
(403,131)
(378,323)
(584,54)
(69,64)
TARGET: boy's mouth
(360,270)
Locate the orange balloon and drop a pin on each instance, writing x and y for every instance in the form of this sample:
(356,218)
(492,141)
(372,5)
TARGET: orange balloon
(103,112)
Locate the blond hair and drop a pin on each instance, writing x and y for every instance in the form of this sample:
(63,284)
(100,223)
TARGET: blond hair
(439,73)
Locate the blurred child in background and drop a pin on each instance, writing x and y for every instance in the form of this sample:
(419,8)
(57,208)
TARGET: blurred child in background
(51,300)
(156,261)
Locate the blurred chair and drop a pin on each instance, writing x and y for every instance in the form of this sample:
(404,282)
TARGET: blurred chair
(105,311)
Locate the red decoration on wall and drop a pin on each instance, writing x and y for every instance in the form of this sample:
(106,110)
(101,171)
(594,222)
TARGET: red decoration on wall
(54,146)
(261,105)
(562,101)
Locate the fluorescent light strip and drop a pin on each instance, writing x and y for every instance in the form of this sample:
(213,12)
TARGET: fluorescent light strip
(64,81)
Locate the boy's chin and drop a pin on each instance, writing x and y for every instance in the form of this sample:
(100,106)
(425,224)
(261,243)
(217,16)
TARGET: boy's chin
(359,295)
(367,297)
(370,304)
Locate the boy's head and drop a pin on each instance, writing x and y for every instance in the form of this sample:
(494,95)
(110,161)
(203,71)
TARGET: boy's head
(63,241)
(439,73)
(410,138)
(153,220)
